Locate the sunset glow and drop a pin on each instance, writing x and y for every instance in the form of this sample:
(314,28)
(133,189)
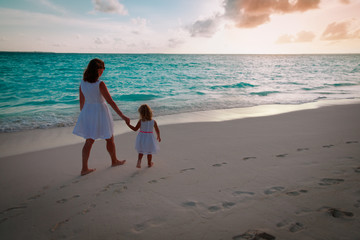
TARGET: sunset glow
(206,26)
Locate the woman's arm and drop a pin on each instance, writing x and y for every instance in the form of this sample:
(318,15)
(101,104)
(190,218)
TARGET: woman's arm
(157,130)
(136,127)
(105,92)
(82,99)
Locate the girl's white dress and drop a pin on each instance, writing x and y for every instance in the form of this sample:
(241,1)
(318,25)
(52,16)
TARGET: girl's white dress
(145,141)
(95,119)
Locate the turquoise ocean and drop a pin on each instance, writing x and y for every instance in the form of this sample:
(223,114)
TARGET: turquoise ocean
(40,90)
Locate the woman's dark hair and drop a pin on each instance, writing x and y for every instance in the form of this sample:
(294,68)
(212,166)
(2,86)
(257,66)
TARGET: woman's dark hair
(91,73)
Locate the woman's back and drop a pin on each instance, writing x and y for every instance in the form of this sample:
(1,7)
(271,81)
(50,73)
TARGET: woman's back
(92,92)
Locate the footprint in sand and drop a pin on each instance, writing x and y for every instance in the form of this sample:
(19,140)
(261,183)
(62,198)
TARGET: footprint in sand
(254,235)
(119,187)
(189,204)
(214,208)
(186,169)
(357,169)
(224,205)
(155,181)
(88,209)
(351,142)
(357,205)
(11,212)
(296,193)
(302,149)
(328,146)
(241,193)
(282,155)
(147,224)
(228,204)
(330,181)
(64,200)
(35,197)
(248,158)
(83,212)
(292,226)
(337,213)
(219,164)
(57,225)
(273,190)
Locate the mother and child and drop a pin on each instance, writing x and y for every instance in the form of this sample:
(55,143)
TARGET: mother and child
(95,120)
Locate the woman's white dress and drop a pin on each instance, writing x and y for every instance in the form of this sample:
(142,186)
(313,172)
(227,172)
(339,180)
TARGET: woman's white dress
(95,119)
(145,141)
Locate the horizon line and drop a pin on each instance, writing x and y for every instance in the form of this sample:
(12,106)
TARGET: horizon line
(149,53)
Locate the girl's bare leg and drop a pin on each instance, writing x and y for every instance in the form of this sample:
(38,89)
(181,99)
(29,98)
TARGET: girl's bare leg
(149,158)
(85,157)
(110,146)
(139,160)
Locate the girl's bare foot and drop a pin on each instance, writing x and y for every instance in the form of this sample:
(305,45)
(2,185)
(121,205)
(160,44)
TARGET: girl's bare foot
(138,165)
(87,171)
(150,164)
(118,163)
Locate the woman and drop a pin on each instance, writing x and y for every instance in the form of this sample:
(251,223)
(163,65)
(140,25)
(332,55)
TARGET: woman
(95,120)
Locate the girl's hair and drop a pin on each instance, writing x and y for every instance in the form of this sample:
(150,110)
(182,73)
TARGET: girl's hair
(91,73)
(145,112)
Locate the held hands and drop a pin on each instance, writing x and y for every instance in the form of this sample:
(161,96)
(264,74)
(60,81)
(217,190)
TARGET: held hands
(130,126)
(159,138)
(127,120)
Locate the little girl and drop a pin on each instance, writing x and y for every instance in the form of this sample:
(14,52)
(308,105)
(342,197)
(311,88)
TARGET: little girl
(145,140)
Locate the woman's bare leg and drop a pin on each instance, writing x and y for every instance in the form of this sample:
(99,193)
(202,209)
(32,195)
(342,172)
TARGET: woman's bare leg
(110,146)
(85,157)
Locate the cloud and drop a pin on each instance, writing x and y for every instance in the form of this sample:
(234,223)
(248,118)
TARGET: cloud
(249,14)
(342,30)
(204,28)
(252,13)
(110,6)
(345,1)
(303,36)
(286,38)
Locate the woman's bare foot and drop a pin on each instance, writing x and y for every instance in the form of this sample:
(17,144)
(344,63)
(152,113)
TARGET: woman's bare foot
(150,164)
(138,165)
(118,163)
(90,170)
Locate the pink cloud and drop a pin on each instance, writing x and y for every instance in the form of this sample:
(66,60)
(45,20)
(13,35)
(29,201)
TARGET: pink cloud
(303,36)
(343,30)
(249,14)
(252,13)
(345,1)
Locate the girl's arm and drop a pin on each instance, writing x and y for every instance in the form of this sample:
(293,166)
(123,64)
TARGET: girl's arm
(157,130)
(82,99)
(134,128)
(105,92)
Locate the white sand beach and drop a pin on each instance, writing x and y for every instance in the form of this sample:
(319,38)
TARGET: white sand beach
(294,175)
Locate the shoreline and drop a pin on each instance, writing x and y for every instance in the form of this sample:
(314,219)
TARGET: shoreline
(15,143)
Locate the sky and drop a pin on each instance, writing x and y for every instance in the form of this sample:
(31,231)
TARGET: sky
(181,26)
